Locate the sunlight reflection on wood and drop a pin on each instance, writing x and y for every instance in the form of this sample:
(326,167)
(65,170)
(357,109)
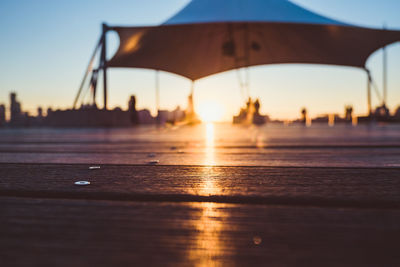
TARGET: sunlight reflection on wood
(210,145)
(208,242)
(208,185)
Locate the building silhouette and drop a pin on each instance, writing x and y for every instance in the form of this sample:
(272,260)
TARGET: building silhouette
(382,114)
(89,115)
(15,110)
(40,112)
(132,110)
(250,114)
(2,115)
(397,114)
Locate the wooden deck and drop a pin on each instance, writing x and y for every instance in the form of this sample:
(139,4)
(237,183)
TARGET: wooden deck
(346,213)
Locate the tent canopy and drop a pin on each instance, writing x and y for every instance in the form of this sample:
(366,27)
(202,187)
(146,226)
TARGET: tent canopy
(205,11)
(211,36)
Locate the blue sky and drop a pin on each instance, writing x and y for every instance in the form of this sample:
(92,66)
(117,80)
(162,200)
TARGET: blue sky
(46,44)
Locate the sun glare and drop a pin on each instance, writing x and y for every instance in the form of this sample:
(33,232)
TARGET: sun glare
(210,111)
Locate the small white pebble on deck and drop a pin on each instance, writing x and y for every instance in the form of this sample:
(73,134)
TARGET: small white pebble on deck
(94,167)
(82,183)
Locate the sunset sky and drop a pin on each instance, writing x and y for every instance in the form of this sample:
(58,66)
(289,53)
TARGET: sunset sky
(46,44)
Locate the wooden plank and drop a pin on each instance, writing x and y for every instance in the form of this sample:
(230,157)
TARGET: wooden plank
(194,213)
(378,156)
(43,232)
(224,144)
(339,187)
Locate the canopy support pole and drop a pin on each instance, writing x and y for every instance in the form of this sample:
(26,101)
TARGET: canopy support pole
(190,113)
(93,85)
(88,69)
(103,63)
(384,76)
(384,72)
(247,82)
(369,79)
(192,94)
(158,95)
(247,59)
(192,88)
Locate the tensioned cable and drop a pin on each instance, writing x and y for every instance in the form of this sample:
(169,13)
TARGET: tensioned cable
(88,70)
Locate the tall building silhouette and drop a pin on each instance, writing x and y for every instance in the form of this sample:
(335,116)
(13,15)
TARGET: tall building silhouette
(40,112)
(2,115)
(133,114)
(15,108)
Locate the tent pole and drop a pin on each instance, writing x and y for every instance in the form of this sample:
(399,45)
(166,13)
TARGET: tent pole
(93,84)
(384,72)
(384,76)
(247,59)
(88,69)
(248,82)
(104,63)
(191,112)
(369,92)
(192,88)
(158,95)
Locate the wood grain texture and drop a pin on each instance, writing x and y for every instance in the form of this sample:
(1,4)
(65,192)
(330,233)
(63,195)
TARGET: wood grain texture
(313,196)
(339,187)
(224,144)
(56,232)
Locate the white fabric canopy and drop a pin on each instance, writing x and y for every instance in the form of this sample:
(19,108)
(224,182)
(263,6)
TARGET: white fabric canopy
(212,36)
(205,11)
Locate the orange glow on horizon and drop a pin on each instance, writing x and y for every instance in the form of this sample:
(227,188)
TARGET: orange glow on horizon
(210,111)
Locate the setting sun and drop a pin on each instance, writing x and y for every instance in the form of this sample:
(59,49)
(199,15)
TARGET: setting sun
(210,111)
